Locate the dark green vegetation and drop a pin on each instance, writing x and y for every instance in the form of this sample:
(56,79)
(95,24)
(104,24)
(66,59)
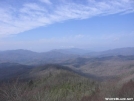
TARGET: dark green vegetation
(60,83)
(68,76)
(49,83)
(13,70)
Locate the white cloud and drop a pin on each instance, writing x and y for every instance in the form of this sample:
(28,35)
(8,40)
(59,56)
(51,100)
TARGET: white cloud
(46,1)
(31,6)
(31,15)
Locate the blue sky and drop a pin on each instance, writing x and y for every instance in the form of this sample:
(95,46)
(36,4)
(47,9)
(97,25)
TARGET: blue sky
(42,25)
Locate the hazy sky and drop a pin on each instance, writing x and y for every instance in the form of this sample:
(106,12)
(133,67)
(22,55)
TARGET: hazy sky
(42,25)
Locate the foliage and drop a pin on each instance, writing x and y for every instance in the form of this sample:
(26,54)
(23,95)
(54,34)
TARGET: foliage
(59,86)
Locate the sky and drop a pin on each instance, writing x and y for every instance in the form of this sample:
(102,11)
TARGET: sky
(43,25)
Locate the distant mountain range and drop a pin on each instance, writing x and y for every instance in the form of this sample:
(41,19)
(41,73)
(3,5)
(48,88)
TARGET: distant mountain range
(97,65)
(119,51)
(97,68)
(57,56)
(75,51)
(33,58)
